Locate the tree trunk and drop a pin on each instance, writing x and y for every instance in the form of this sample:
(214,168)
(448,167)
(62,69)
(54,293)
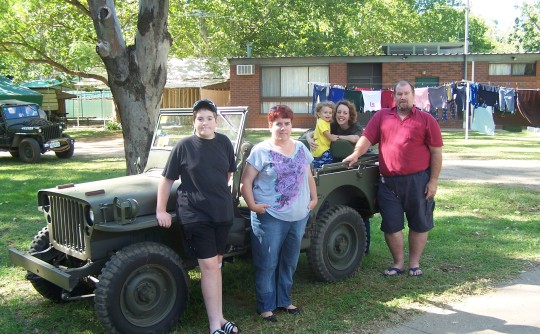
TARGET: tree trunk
(136,73)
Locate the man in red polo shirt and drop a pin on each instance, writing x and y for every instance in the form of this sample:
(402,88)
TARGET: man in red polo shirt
(410,160)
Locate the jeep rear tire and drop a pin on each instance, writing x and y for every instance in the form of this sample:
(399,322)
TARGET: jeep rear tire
(143,288)
(338,245)
(68,153)
(29,150)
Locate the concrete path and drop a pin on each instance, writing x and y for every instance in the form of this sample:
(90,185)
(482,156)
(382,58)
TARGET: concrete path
(512,308)
(519,172)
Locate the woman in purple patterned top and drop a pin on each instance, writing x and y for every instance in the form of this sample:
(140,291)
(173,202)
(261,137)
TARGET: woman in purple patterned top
(280,191)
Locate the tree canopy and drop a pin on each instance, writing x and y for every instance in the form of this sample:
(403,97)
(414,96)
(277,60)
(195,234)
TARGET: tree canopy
(527,27)
(57,38)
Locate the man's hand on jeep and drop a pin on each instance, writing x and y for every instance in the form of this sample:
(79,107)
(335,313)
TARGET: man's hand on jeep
(352,159)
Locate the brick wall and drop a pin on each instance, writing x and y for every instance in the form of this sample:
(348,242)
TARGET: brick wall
(245,89)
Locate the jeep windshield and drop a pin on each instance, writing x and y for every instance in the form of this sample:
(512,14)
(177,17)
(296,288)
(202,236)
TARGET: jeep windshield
(16,112)
(175,124)
(172,127)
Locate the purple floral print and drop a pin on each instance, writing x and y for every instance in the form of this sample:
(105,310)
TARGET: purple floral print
(290,173)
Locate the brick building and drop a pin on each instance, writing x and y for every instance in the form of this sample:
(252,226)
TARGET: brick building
(260,83)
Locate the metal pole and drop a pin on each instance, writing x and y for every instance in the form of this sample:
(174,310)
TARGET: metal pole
(466,46)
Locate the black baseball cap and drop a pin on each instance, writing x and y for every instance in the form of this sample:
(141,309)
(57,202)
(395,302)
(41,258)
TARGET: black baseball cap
(205,103)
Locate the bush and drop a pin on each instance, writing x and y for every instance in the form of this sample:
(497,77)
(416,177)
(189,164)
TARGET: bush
(111,125)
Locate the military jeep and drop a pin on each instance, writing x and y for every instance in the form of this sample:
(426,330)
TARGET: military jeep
(26,135)
(102,240)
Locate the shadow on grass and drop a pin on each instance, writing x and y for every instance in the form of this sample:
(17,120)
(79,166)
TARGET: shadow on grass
(479,240)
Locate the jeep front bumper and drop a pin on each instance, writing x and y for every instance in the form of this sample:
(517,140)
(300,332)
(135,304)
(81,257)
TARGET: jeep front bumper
(59,144)
(65,278)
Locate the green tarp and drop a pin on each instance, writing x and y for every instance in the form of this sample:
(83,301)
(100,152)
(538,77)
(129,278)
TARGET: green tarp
(11,91)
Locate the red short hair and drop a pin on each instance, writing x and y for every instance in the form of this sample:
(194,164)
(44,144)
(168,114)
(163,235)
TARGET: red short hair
(279,111)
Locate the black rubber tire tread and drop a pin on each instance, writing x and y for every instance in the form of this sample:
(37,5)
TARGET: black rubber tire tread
(45,288)
(29,151)
(69,152)
(339,224)
(129,263)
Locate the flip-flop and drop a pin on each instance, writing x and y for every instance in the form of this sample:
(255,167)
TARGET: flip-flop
(415,272)
(392,271)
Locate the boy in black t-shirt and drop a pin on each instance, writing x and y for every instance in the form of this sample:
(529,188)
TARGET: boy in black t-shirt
(204,162)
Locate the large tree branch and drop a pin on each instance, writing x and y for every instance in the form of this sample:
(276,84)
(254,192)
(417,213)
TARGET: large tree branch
(45,59)
(111,46)
(80,7)
(64,69)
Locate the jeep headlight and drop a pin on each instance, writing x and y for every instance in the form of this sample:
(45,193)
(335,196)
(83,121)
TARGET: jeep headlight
(90,216)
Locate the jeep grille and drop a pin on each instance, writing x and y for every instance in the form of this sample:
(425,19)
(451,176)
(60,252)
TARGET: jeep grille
(67,219)
(51,132)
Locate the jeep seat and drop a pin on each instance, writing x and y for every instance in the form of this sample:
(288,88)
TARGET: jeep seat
(341,149)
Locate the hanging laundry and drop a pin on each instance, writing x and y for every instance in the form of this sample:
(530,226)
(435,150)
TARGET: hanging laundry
(460,94)
(336,93)
(507,99)
(372,100)
(355,97)
(473,94)
(483,121)
(387,98)
(421,99)
(319,95)
(528,102)
(450,94)
(438,100)
(488,96)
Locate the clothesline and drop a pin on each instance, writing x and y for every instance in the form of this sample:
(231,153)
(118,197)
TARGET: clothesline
(506,84)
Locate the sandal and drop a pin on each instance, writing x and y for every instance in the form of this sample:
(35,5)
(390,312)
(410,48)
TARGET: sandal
(415,272)
(392,271)
(218,331)
(229,327)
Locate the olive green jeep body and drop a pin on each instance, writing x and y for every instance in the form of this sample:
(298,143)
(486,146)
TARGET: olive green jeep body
(26,135)
(102,239)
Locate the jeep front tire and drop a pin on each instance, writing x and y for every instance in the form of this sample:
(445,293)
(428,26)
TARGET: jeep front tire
(338,245)
(143,288)
(51,291)
(29,150)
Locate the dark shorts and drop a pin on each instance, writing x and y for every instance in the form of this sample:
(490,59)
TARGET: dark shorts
(405,195)
(207,239)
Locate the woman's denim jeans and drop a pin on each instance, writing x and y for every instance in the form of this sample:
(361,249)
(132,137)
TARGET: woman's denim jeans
(276,248)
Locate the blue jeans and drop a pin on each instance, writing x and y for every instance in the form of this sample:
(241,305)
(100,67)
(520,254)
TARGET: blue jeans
(319,95)
(276,249)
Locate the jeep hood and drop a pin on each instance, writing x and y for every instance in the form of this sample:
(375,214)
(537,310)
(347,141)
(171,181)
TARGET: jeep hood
(142,188)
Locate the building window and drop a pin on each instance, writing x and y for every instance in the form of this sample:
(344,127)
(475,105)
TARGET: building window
(513,69)
(291,86)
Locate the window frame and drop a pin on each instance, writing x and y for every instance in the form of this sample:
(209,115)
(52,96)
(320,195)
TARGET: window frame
(528,70)
(300,103)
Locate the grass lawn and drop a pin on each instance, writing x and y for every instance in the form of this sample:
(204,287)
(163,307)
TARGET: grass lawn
(484,234)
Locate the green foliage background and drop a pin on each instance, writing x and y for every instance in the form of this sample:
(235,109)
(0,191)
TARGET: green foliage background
(51,38)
